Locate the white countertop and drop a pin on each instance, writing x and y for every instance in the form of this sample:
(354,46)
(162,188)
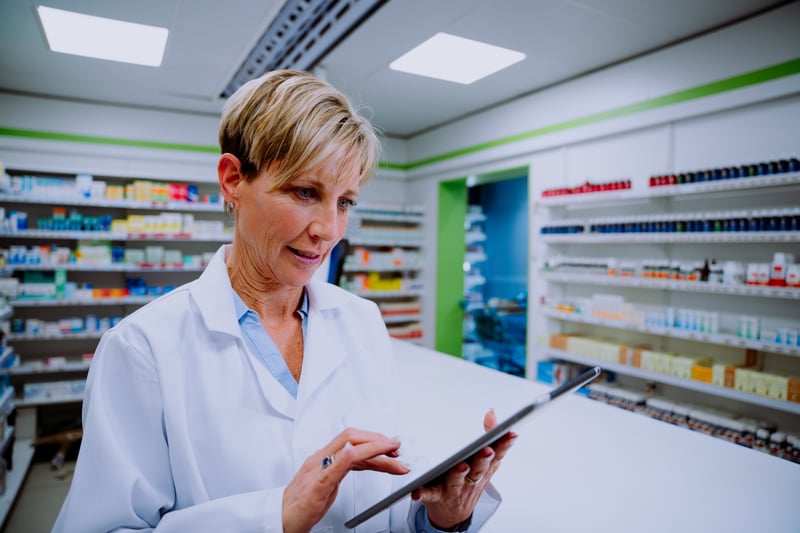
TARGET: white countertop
(580,465)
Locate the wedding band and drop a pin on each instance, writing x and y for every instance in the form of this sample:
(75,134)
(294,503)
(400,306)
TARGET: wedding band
(327,461)
(471,481)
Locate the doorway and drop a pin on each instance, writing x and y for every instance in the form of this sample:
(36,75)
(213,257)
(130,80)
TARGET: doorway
(496,273)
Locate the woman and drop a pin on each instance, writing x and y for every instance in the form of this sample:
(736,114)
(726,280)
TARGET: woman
(257,398)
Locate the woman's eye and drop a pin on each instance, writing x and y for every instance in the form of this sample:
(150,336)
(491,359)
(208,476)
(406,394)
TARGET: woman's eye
(344,203)
(305,193)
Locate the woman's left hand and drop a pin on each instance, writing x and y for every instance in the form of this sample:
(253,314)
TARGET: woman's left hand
(452,501)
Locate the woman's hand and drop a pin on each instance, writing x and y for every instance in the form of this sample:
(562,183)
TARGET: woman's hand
(452,501)
(313,489)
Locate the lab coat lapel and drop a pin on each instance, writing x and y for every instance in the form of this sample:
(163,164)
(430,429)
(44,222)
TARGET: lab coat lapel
(324,347)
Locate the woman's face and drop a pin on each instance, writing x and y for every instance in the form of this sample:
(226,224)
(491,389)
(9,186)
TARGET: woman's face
(285,234)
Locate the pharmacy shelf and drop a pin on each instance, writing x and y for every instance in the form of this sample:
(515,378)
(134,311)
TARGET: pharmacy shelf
(114,267)
(6,311)
(390,294)
(733,394)
(116,204)
(688,189)
(400,318)
(789,293)
(671,238)
(23,455)
(41,369)
(388,242)
(53,400)
(7,353)
(18,337)
(676,333)
(7,400)
(112,236)
(367,268)
(82,302)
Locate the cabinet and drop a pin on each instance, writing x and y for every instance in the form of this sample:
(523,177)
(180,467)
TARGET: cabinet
(82,252)
(685,286)
(384,263)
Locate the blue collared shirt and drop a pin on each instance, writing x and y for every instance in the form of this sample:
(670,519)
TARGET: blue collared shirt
(262,345)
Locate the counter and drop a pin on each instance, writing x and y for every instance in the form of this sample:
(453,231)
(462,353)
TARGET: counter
(581,465)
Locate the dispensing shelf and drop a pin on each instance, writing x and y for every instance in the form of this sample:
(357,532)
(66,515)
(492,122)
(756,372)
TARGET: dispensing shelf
(686,189)
(113,267)
(789,293)
(79,302)
(672,238)
(676,333)
(19,337)
(115,204)
(111,236)
(716,390)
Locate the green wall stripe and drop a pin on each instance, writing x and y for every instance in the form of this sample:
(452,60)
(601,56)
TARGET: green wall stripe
(789,68)
(780,70)
(70,137)
(449,266)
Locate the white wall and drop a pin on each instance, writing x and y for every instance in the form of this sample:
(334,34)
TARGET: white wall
(740,126)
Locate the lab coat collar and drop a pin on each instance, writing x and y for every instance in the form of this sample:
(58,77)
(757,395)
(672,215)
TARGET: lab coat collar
(212,292)
(325,350)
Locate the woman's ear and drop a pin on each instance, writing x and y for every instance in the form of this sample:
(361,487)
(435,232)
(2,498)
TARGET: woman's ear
(229,173)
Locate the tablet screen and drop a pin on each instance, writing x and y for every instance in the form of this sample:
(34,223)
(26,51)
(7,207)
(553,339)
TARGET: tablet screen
(436,474)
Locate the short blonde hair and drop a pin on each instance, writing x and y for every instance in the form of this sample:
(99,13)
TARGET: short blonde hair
(298,121)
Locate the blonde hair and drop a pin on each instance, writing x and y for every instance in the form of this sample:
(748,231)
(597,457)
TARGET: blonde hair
(293,119)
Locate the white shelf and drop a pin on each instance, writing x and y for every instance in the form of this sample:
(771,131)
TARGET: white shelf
(73,267)
(688,189)
(396,242)
(755,399)
(78,302)
(17,337)
(400,318)
(23,455)
(119,204)
(6,400)
(667,238)
(676,333)
(390,294)
(367,268)
(789,293)
(34,369)
(54,400)
(112,236)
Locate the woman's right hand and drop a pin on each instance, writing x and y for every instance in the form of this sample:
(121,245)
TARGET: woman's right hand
(313,489)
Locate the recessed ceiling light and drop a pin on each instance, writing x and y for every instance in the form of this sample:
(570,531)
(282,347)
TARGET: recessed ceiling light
(102,38)
(452,58)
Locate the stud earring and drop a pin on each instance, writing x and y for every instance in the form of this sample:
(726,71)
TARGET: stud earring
(228,208)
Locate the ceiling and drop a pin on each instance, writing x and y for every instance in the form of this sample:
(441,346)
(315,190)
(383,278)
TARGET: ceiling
(209,39)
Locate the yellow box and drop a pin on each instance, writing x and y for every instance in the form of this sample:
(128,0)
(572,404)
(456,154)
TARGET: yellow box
(701,372)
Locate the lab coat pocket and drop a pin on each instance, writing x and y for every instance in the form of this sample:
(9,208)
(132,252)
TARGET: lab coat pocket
(368,486)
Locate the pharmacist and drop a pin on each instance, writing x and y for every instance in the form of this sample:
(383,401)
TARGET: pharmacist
(257,398)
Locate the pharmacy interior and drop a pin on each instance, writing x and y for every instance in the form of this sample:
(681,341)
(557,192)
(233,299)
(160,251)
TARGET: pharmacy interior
(644,217)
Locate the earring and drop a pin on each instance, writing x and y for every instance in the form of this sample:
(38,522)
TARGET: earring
(228,208)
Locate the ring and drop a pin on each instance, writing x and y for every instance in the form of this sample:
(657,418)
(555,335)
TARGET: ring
(327,461)
(471,481)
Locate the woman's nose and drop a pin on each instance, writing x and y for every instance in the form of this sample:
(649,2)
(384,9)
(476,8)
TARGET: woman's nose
(326,223)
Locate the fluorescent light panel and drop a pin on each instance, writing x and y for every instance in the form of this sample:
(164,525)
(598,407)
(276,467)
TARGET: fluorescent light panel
(103,38)
(452,58)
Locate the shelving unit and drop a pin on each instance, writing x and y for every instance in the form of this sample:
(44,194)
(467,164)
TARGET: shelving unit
(148,236)
(692,222)
(384,263)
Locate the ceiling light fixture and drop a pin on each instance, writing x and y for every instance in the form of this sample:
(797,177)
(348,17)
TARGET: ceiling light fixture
(457,59)
(102,38)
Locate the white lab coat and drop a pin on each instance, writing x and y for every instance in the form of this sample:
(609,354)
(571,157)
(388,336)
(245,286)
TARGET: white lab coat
(186,431)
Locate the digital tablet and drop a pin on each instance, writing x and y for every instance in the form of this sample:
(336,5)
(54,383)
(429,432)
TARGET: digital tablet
(437,473)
